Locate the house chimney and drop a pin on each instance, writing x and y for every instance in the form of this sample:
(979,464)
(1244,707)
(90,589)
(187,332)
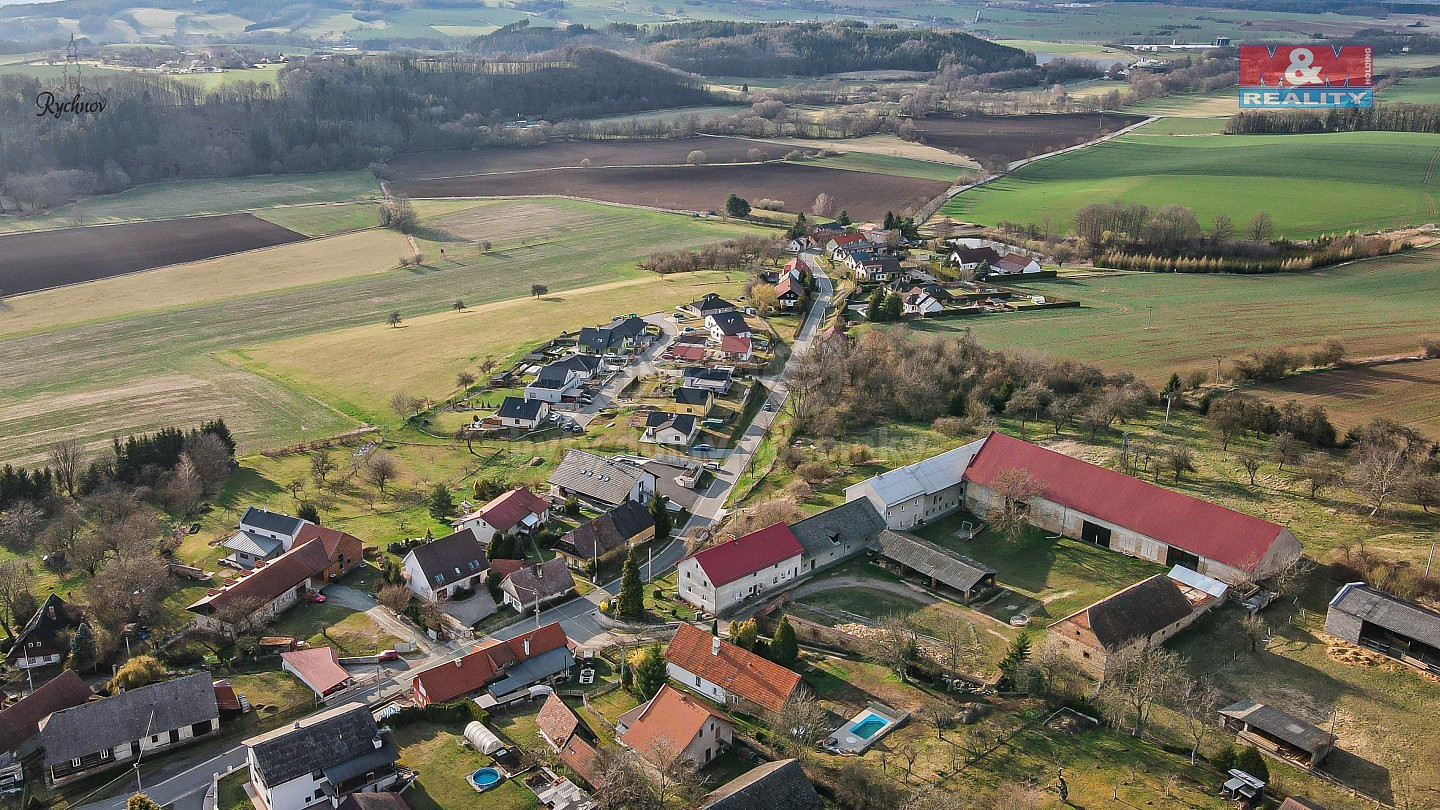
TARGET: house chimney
(715,645)
(458,662)
(50,611)
(527,646)
(377,741)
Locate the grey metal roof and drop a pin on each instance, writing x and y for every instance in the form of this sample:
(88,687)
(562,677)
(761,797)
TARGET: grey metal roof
(271,521)
(315,743)
(596,477)
(711,374)
(250,543)
(532,670)
(1389,611)
(577,362)
(372,760)
(608,532)
(683,422)
(451,558)
(520,408)
(955,570)
(779,785)
(731,323)
(710,304)
(692,396)
(1277,723)
(924,477)
(855,520)
(155,709)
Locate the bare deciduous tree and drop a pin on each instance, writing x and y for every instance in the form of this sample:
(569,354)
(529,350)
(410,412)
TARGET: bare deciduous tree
(184,488)
(1380,470)
(1017,486)
(321,465)
(65,459)
(1292,580)
(1136,677)
(1197,700)
(211,458)
(801,722)
(396,598)
(379,469)
(960,643)
(1254,630)
(1249,462)
(895,644)
(20,522)
(1317,472)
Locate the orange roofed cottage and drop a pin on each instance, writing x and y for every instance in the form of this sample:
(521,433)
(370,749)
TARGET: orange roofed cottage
(503,670)
(726,673)
(675,727)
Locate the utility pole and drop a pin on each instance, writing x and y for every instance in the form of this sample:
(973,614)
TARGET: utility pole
(1168,399)
(1430,559)
(1217,369)
(1150,322)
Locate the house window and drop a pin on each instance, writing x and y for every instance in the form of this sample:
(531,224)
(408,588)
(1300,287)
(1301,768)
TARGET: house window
(74,763)
(697,680)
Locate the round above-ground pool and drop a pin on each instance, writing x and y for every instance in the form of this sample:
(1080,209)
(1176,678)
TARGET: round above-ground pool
(484,779)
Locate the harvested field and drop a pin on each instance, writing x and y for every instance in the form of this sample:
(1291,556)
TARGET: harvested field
(1015,137)
(431,165)
(41,260)
(1407,392)
(864,195)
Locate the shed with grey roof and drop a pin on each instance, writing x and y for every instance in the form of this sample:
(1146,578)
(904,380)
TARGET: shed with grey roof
(779,785)
(940,565)
(1387,624)
(100,734)
(1277,732)
(274,524)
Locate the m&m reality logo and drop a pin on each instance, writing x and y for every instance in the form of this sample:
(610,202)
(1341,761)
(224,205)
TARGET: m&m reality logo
(1306,76)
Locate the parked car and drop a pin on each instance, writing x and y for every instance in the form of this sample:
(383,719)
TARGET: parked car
(712,465)
(388,655)
(769,406)
(702,448)
(317,597)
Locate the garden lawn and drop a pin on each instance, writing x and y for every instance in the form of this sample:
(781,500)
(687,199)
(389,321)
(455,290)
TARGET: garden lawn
(434,752)
(350,632)
(1309,184)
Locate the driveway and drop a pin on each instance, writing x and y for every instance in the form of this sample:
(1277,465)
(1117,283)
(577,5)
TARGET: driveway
(642,365)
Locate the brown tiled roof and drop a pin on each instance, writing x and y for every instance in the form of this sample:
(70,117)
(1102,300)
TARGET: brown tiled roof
(736,670)
(334,542)
(482,665)
(556,721)
(1136,612)
(580,756)
(270,579)
(544,581)
(499,569)
(319,668)
(504,512)
(608,532)
(21,722)
(669,722)
(374,801)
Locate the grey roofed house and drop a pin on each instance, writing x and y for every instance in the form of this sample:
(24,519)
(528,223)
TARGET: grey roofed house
(779,785)
(532,670)
(607,533)
(39,637)
(683,422)
(940,564)
(131,715)
(710,304)
(924,477)
(855,520)
(581,364)
(554,375)
(518,408)
(1138,611)
(1280,725)
(596,477)
(715,375)
(256,545)
(335,742)
(730,323)
(20,723)
(271,521)
(612,335)
(451,558)
(544,581)
(677,495)
(692,396)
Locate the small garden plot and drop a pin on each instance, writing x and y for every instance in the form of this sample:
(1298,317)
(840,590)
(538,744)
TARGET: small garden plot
(434,752)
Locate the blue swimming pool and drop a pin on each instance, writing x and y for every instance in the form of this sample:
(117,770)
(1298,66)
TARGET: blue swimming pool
(485,778)
(866,728)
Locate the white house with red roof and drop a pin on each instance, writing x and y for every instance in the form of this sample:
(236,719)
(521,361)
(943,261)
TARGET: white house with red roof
(721,577)
(675,727)
(1112,510)
(519,510)
(727,674)
(503,670)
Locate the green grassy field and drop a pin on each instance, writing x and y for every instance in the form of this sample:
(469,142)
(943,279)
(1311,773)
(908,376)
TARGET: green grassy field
(139,369)
(890,165)
(1309,183)
(1184,126)
(1424,90)
(319,220)
(1190,105)
(1379,306)
(191,197)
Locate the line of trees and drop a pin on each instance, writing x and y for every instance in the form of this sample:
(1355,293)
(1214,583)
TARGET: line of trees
(1387,118)
(733,254)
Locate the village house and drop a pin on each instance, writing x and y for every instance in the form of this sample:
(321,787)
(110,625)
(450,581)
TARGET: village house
(1115,511)
(971,258)
(621,336)
(526,414)
(935,565)
(688,352)
(318,668)
(261,594)
(1013,264)
(606,536)
(882,268)
(344,551)
(321,759)
(1149,613)
(917,303)
(39,643)
(778,785)
(789,292)
(837,534)
(553,384)
(20,723)
(736,349)
(710,304)
(843,240)
(717,379)
(534,586)
(518,511)
(585,366)
(573,742)
(440,568)
(503,670)
(261,535)
(926,490)
(101,734)
(1380,621)
(720,577)
(727,674)
(731,324)
(600,481)
(670,429)
(694,401)
(675,727)
(1278,733)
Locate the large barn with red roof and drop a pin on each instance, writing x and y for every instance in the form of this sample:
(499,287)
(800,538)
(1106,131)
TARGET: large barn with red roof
(1101,506)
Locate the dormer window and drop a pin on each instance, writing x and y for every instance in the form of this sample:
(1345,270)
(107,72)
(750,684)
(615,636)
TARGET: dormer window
(439,578)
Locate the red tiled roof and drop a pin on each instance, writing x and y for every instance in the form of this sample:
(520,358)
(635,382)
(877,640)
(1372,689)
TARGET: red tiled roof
(499,569)
(21,721)
(482,665)
(511,508)
(736,670)
(270,580)
(669,723)
(580,757)
(735,345)
(1199,527)
(786,285)
(749,553)
(556,720)
(319,668)
(334,541)
(847,239)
